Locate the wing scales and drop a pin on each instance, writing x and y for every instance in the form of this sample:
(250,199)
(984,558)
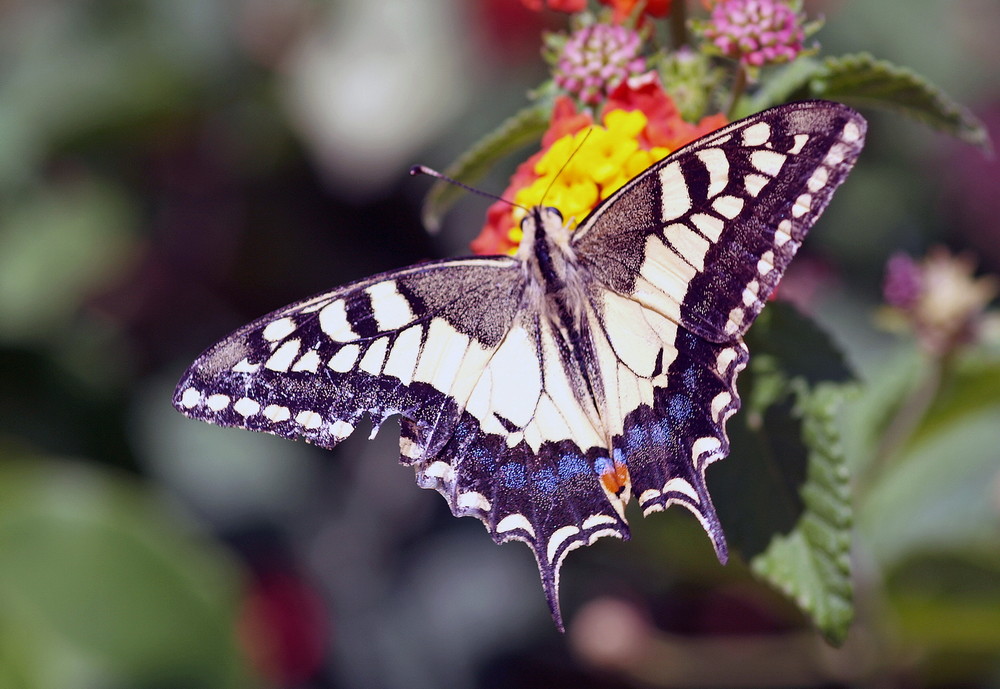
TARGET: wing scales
(539,423)
(750,214)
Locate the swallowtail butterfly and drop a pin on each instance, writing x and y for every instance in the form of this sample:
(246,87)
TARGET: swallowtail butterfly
(540,392)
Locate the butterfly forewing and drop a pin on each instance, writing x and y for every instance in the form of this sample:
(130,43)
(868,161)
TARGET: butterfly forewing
(704,235)
(539,393)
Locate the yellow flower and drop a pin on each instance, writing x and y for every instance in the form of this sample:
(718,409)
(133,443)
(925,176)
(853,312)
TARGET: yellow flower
(580,170)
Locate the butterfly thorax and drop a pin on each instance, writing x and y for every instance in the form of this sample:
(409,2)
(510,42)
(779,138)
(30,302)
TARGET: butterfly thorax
(559,287)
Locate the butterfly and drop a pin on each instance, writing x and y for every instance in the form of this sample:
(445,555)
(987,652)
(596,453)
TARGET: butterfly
(540,392)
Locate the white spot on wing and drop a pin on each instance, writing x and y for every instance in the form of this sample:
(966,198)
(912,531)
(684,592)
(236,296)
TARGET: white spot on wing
(728,206)
(836,155)
(818,180)
(676,199)
(244,366)
(372,361)
(309,419)
(851,132)
(515,521)
(754,184)
(802,205)
(703,446)
(783,233)
(768,162)
(190,398)
(246,406)
(307,362)
(440,470)
(402,361)
(766,263)
(725,359)
(757,134)
(333,321)
(800,142)
(279,329)
(343,360)
(690,245)
(719,403)
(680,485)
(341,429)
(410,449)
(717,163)
(284,356)
(473,500)
(390,308)
(218,402)
(558,537)
(709,225)
(596,520)
(277,413)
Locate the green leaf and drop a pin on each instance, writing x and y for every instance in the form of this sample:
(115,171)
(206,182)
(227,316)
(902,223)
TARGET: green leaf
(788,471)
(58,244)
(861,79)
(100,585)
(969,387)
(520,130)
(779,86)
(812,563)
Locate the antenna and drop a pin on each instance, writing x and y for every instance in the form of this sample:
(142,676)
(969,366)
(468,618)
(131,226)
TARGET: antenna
(590,130)
(424,170)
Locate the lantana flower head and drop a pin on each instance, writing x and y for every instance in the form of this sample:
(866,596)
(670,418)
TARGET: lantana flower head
(938,298)
(584,161)
(756,32)
(597,58)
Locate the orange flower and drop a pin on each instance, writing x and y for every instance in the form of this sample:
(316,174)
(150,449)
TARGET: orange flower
(665,128)
(568,6)
(639,126)
(623,9)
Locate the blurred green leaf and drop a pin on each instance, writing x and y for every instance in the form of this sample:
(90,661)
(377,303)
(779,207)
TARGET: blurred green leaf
(949,601)
(970,386)
(58,244)
(862,80)
(787,469)
(779,87)
(938,494)
(520,130)
(99,586)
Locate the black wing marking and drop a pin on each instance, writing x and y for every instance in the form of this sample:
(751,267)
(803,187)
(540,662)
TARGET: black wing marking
(689,252)
(704,235)
(488,412)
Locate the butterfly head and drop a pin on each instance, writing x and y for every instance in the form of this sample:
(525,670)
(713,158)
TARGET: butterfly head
(543,224)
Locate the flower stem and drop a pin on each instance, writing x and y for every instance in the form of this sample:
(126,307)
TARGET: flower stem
(678,25)
(739,85)
(909,415)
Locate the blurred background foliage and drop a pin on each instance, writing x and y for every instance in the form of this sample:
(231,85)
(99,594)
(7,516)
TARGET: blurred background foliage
(171,169)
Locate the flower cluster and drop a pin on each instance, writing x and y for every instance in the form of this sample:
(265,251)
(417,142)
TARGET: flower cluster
(756,32)
(938,298)
(595,59)
(638,126)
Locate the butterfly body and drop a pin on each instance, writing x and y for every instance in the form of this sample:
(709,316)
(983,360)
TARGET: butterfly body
(540,392)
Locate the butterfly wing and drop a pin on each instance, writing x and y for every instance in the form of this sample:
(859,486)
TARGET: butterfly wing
(490,413)
(689,251)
